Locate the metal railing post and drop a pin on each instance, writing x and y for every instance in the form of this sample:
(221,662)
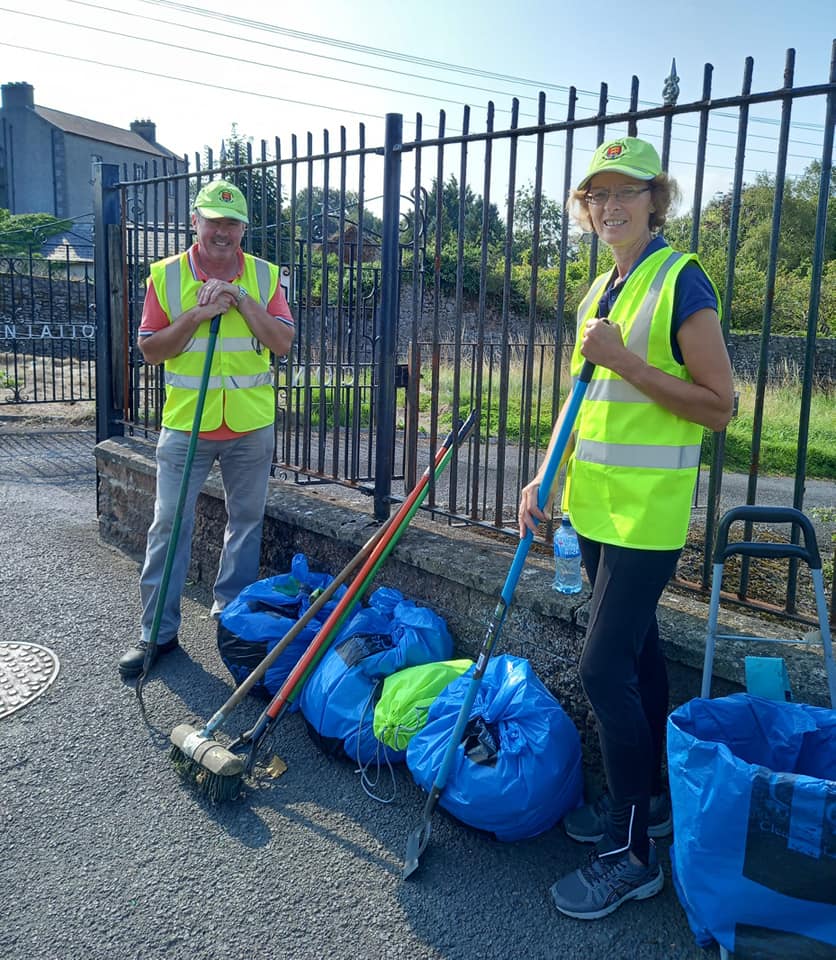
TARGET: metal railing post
(389,311)
(106,214)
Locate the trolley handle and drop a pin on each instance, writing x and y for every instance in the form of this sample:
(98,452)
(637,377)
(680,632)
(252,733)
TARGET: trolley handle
(809,553)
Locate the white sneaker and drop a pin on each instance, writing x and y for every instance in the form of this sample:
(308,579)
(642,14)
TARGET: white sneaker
(217,609)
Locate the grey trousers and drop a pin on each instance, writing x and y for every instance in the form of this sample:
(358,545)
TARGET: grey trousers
(245,469)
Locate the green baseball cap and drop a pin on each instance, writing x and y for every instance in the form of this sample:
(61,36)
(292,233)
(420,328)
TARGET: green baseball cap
(629,155)
(220,198)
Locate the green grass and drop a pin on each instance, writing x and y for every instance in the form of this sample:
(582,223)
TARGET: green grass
(779,432)
(541,418)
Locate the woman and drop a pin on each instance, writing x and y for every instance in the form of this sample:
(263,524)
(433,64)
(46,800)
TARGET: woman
(662,373)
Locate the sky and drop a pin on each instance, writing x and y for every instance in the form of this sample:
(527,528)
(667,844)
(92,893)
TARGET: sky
(197,67)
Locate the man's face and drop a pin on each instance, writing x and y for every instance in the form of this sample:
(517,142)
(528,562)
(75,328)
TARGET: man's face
(220,237)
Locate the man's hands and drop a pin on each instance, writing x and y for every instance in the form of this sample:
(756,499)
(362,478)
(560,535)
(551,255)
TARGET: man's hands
(218,296)
(214,297)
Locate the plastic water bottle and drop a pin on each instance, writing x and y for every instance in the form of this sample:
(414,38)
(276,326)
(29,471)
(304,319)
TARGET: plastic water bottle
(567,558)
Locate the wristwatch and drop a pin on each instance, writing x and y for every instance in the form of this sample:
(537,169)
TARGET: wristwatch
(242,292)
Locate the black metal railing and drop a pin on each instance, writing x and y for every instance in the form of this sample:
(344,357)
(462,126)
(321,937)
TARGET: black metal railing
(419,296)
(47,329)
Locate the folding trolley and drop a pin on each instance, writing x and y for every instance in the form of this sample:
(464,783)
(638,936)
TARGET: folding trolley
(809,553)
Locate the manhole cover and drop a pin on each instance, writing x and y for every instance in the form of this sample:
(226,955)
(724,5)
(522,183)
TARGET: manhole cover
(26,671)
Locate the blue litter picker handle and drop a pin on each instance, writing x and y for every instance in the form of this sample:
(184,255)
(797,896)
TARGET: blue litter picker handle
(549,474)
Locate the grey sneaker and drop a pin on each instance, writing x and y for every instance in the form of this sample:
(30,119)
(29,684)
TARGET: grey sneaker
(587,824)
(607,881)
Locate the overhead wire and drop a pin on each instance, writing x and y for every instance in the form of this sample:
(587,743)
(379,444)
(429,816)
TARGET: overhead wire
(365,114)
(223,56)
(310,37)
(396,55)
(315,38)
(350,45)
(168,76)
(278,46)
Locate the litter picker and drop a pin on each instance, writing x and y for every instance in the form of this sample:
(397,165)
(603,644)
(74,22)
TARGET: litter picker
(419,837)
(218,770)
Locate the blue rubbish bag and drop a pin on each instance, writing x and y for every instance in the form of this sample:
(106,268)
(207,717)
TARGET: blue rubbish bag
(260,616)
(753,790)
(339,697)
(517,771)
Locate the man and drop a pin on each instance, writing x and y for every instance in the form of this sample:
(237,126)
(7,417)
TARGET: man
(184,293)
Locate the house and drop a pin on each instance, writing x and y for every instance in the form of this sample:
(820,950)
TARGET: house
(370,252)
(46,158)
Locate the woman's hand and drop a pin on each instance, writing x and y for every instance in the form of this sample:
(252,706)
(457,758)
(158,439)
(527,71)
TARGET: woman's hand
(529,513)
(602,342)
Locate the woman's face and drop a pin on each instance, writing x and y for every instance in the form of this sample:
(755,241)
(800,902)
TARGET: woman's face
(621,215)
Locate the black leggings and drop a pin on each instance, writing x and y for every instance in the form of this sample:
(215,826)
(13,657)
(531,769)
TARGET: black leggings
(623,672)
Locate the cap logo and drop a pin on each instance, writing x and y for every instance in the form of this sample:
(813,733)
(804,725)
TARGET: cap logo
(614,151)
(226,196)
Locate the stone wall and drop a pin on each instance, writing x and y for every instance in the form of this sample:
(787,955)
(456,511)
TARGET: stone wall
(458,572)
(786,357)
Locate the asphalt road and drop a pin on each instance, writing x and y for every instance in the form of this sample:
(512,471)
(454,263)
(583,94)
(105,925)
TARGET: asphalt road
(106,855)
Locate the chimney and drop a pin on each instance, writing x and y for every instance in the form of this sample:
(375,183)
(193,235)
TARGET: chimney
(18,96)
(146,129)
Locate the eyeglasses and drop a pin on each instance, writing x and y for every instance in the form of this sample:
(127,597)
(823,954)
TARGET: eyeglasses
(622,195)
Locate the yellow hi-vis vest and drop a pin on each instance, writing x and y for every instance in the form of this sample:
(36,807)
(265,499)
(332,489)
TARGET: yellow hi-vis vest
(631,476)
(240,389)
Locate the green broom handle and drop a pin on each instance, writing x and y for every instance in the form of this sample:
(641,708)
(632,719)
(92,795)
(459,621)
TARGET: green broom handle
(214,327)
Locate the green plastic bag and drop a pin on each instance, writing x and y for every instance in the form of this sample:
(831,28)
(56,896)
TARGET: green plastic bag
(407,696)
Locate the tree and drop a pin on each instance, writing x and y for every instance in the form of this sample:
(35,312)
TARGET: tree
(348,205)
(473,213)
(24,233)
(796,244)
(551,216)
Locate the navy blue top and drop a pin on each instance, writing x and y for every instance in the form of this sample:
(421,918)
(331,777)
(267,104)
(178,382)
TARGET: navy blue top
(693,292)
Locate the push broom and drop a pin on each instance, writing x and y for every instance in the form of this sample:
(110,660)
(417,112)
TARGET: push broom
(190,746)
(419,837)
(218,770)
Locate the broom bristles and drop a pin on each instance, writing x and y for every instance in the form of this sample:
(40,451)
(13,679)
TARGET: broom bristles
(215,786)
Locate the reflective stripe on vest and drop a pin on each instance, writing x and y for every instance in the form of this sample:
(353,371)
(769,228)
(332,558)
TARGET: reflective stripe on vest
(638,455)
(619,391)
(639,335)
(593,294)
(231,345)
(219,383)
(609,390)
